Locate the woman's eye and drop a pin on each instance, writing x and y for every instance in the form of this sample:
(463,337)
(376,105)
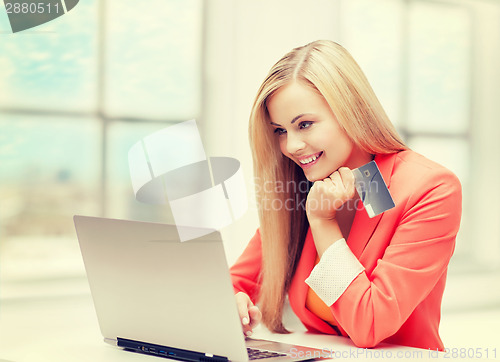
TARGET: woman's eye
(305,124)
(279,131)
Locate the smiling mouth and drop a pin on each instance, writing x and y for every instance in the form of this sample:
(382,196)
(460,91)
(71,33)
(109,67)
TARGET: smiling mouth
(311,160)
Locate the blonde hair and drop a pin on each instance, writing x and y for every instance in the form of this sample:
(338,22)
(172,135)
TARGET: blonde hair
(329,69)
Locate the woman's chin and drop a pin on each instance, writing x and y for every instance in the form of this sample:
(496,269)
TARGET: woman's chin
(317,173)
(314,176)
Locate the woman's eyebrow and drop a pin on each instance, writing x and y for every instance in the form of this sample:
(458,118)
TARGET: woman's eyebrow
(296,118)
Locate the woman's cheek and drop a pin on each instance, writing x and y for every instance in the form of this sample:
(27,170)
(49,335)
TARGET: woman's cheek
(282,142)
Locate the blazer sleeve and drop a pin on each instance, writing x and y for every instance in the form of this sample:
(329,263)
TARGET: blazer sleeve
(375,306)
(245,273)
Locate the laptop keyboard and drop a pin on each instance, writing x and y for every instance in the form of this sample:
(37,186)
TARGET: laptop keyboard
(259,354)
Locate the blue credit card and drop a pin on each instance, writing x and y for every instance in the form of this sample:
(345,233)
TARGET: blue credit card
(372,189)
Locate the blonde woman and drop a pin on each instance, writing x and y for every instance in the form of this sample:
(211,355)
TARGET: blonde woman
(315,118)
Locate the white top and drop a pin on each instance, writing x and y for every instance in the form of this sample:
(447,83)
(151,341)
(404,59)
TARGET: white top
(337,268)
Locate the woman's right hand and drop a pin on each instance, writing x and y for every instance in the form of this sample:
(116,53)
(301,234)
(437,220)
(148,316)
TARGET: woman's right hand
(250,314)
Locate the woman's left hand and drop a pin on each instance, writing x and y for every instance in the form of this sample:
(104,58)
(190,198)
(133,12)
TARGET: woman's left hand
(328,195)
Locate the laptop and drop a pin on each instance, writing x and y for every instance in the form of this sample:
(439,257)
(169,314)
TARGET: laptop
(157,295)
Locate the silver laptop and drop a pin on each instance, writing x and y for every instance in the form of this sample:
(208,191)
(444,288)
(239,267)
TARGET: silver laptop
(155,294)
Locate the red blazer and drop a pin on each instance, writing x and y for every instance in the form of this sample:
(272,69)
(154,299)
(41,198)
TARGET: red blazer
(405,252)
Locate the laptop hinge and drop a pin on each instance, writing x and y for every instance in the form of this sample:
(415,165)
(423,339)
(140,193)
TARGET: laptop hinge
(168,352)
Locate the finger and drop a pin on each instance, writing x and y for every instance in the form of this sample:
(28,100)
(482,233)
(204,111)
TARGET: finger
(317,184)
(316,188)
(348,180)
(336,179)
(255,316)
(326,185)
(242,302)
(331,175)
(346,175)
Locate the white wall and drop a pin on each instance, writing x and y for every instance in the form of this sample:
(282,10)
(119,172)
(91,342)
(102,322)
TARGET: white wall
(244,39)
(485,172)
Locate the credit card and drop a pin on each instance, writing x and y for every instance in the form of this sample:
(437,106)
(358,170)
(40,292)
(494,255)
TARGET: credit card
(372,189)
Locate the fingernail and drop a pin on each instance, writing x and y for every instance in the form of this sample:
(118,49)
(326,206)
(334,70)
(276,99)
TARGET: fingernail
(248,333)
(244,320)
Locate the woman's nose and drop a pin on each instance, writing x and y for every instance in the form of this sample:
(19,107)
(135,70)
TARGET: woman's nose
(294,143)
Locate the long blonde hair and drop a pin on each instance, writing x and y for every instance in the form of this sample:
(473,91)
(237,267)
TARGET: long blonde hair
(280,184)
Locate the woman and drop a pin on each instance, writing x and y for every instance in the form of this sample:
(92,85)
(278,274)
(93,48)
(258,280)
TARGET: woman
(315,118)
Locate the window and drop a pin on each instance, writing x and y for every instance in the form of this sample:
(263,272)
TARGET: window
(423,58)
(75,94)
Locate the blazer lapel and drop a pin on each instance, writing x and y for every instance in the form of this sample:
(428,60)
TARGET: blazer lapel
(363,227)
(298,288)
(304,268)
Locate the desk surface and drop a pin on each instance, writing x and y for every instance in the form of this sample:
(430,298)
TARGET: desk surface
(66,329)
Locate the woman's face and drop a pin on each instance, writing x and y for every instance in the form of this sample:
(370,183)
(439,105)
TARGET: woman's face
(309,134)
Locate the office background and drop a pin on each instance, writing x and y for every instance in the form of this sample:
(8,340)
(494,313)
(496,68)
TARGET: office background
(77,92)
